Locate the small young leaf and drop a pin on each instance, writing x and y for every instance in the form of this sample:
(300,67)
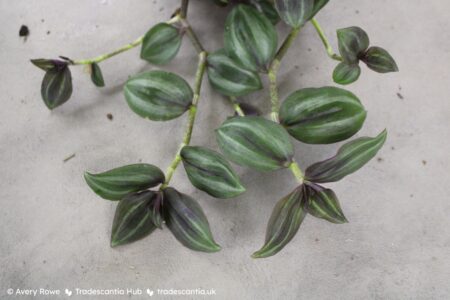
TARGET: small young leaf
(250,38)
(295,13)
(161,44)
(349,158)
(284,223)
(322,115)
(116,183)
(229,78)
(187,221)
(48,64)
(210,172)
(56,86)
(346,74)
(255,142)
(353,42)
(324,204)
(97,76)
(379,60)
(158,95)
(133,219)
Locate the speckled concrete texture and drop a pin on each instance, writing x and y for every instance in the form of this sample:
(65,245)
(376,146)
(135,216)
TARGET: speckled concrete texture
(55,231)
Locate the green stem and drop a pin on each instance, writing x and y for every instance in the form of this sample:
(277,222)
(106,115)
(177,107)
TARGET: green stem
(191,118)
(325,41)
(192,36)
(295,169)
(122,49)
(273,73)
(184,8)
(237,107)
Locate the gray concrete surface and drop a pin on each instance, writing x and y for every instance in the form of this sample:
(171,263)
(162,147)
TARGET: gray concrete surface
(55,231)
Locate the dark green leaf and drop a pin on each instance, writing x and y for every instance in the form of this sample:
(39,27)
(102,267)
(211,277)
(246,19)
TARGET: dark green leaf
(295,13)
(158,95)
(318,5)
(322,115)
(48,64)
(353,42)
(324,204)
(350,158)
(187,221)
(210,172)
(229,78)
(255,142)
(133,219)
(250,38)
(284,223)
(267,8)
(346,74)
(96,75)
(161,44)
(156,209)
(379,60)
(116,183)
(56,86)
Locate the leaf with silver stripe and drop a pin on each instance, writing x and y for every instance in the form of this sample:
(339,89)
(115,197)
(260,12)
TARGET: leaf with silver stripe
(117,183)
(349,158)
(133,219)
(187,221)
(284,223)
(56,86)
(324,204)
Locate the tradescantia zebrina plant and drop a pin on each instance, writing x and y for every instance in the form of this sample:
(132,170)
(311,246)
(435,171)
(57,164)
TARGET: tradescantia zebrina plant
(251,50)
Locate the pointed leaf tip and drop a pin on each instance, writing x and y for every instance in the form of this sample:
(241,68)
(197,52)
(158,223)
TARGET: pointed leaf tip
(187,222)
(350,157)
(284,223)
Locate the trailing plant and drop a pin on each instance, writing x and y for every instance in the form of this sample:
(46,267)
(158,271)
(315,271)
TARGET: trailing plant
(146,198)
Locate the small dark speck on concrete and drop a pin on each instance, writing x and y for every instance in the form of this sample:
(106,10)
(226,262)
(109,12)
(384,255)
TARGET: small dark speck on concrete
(110,116)
(316,240)
(44,261)
(24,31)
(309,49)
(411,196)
(356,11)
(48,32)
(297,67)
(400,96)
(379,159)
(424,162)
(392,148)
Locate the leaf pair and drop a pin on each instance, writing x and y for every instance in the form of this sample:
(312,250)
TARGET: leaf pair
(354,46)
(314,199)
(296,13)
(289,213)
(140,211)
(139,214)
